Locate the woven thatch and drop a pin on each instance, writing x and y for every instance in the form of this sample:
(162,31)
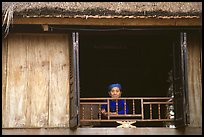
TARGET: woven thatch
(104,8)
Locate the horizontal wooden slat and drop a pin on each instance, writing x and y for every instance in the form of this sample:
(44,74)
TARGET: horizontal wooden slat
(92,103)
(114,120)
(110,22)
(157,102)
(135,115)
(145,98)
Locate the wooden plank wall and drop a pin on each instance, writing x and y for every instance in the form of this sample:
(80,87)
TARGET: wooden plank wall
(37,81)
(59,83)
(35,77)
(194,78)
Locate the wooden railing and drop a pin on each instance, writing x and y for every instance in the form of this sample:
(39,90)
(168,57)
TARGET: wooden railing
(139,109)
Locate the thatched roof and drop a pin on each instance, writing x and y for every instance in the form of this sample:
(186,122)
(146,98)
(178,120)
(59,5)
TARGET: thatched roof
(168,10)
(73,9)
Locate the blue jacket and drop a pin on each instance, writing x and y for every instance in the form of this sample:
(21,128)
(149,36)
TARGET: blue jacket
(121,106)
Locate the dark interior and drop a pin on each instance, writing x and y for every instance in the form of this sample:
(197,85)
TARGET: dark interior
(138,60)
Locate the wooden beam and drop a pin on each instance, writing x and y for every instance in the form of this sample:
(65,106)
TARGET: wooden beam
(111,21)
(104,131)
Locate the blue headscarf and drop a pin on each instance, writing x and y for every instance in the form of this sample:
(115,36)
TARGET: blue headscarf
(114,85)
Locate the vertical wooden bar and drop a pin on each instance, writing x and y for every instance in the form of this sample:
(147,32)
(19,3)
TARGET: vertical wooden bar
(108,100)
(99,110)
(82,112)
(91,108)
(125,106)
(159,113)
(142,109)
(116,106)
(150,105)
(133,106)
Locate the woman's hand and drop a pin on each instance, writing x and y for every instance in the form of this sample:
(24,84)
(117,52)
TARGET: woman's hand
(103,111)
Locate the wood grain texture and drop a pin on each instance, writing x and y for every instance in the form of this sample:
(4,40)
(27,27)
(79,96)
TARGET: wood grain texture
(59,79)
(4,74)
(38,81)
(16,90)
(195,79)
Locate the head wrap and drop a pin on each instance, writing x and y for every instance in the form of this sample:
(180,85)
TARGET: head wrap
(114,85)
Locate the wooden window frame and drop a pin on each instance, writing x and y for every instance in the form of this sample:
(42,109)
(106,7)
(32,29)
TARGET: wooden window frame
(181,90)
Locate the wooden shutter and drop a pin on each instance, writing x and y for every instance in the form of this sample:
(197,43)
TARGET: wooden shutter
(180,80)
(74,81)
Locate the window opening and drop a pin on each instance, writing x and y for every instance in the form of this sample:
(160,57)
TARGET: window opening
(141,62)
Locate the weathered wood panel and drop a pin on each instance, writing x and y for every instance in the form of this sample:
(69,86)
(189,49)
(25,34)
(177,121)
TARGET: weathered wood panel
(16,89)
(4,57)
(194,79)
(38,60)
(38,76)
(59,81)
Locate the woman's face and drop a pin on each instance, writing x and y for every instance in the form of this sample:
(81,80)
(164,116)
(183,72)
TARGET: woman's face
(115,92)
